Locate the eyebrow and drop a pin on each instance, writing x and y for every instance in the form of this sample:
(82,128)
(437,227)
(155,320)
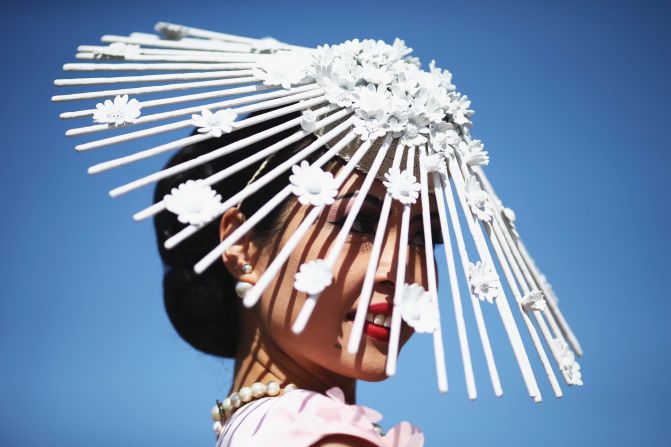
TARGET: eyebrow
(368,198)
(378,203)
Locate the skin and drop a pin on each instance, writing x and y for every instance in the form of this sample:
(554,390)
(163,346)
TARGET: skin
(317,359)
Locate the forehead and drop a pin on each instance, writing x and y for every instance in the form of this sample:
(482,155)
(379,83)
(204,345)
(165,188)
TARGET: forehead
(354,182)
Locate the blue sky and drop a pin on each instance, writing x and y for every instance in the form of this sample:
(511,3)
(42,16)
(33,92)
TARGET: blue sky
(571,100)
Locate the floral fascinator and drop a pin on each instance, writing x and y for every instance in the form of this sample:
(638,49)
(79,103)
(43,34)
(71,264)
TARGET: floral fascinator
(369,103)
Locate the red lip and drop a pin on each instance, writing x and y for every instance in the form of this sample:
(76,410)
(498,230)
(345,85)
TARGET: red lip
(380,308)
(373,330)
(377,332)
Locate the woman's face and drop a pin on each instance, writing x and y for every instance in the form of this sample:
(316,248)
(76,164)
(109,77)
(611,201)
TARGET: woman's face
(323,343)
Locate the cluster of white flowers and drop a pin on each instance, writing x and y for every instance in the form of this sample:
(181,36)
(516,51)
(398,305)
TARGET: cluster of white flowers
(388,91)
(384,87)
(567,363)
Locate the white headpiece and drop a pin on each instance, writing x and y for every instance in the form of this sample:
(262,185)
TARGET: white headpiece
(366,101)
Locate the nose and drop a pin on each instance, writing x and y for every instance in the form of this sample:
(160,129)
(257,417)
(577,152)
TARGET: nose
(387,268)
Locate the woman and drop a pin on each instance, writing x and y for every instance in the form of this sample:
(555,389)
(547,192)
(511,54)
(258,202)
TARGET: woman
(306,251)
(208,314)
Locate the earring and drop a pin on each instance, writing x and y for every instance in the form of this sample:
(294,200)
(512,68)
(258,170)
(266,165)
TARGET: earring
(242,287)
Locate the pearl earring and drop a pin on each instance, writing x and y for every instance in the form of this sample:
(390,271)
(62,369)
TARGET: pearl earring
(242,287)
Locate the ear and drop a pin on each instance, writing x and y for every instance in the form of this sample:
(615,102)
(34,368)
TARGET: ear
(243,251)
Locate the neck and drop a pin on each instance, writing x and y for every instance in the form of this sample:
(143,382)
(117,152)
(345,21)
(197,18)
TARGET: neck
(259,359)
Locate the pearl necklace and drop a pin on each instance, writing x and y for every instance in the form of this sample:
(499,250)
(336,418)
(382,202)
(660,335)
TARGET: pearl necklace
(223,410)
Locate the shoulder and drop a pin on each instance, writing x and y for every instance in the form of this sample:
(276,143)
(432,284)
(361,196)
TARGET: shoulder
(303,418)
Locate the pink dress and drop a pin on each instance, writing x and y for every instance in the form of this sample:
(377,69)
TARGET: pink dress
(300,418)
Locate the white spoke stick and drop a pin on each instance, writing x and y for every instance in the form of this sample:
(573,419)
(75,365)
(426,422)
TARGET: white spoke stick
(395,335)
(154,78)
(216,58)
(206,45)
(506,260)
(121,66)
(471,389)
(501,301)
(339,242)
(438,348)
(477,310)
(206,34)
(103,52)
(155,89)
(530,268)
(369,278)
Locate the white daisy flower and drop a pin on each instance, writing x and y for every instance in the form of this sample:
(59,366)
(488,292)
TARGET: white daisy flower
(444,77)
(371,73)
(309,120)
(484,282)
(117,112)
(371,100)
(194,202)
(284,68)
(419,308)
(369,127)
(473,153)
(415,130)
(434,163)
(478,200)
(313,277)
(444,138)
(459,109)
(402,185)
(216,124)
(534,300)
(312,185)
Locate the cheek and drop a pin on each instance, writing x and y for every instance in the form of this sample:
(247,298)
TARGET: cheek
(281,303)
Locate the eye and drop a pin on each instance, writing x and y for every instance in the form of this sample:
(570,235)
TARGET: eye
(362,224)
(436,238)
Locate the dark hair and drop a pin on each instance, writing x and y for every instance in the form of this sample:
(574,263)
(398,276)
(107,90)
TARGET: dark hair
(202,307)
